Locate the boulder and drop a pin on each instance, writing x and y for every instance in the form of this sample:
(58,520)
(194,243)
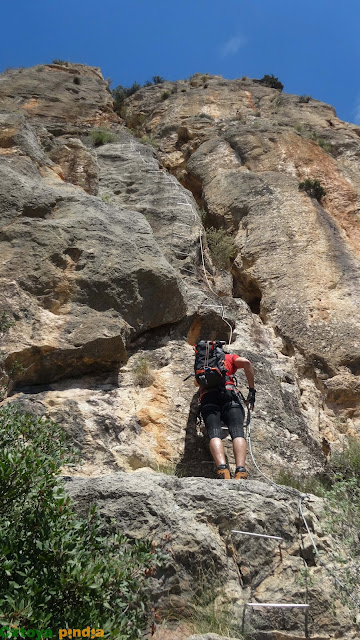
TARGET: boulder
(193,521)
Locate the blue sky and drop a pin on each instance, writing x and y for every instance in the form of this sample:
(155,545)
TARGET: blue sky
(312,46)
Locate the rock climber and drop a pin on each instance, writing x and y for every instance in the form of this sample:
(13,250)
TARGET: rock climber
(223,404)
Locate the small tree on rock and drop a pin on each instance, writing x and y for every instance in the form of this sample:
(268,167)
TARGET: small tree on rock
(313,188)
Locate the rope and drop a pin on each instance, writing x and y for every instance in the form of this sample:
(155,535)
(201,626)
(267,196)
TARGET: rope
(211,289)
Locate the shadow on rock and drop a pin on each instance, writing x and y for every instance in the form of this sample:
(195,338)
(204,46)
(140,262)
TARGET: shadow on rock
(196,460)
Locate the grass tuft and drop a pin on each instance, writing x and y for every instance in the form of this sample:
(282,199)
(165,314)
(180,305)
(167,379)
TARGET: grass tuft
(142,374)
(101,136)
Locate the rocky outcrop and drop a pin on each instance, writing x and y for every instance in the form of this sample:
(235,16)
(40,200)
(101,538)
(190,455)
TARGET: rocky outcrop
(243,149)
(79,275)
(58,95)
(193,520)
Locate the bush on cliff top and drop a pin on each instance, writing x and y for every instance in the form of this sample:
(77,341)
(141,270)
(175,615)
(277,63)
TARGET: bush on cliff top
(271,81)
(120,93)
(58,570)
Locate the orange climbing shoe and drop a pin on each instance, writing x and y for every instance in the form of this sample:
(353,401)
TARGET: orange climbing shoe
(222,472)
(240,473)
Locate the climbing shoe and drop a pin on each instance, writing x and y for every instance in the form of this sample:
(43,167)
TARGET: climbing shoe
(222,472)
(240,473)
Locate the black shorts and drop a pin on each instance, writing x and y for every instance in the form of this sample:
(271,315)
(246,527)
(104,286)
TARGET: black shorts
(222,405)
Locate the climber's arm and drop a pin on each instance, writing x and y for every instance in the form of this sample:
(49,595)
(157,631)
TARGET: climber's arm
(244,363)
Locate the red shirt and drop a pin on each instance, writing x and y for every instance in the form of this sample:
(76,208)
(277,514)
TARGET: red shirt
(230,367)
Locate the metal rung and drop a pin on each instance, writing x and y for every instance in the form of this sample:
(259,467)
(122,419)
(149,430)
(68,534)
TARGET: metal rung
(270,604)
(258,535)
(212,306)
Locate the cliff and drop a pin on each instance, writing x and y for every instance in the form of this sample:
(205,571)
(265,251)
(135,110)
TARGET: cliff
(105,274)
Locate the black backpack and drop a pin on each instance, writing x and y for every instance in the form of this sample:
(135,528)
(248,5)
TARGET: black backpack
(210,370)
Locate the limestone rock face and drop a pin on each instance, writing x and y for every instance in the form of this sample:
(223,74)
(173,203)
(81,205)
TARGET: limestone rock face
(79,276)
(58,94)
(243,149)
(107,281)
(78,164)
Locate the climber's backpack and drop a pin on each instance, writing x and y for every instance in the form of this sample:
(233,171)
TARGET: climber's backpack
(210,370)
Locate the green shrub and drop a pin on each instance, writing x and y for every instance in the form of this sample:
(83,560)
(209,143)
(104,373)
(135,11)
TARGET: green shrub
(304,99)
(271,81)
(57,569)
(313,188)
(322,143)
(5,322)
(77,80)
(165,95)
(101,136)
(346,463)
(203,215)
(150,140)
(221,247)
(119,94)
(310,484)
(142,373)
(158,79)
(62,63)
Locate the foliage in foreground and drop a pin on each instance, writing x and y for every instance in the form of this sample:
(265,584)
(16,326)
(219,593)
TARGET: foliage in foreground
(56,569)
(221,247)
